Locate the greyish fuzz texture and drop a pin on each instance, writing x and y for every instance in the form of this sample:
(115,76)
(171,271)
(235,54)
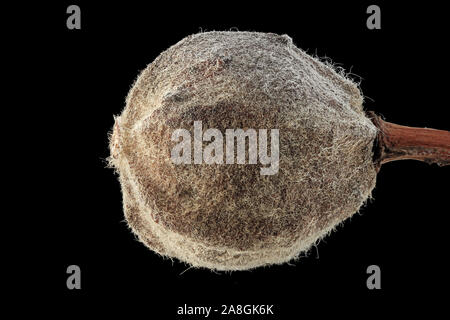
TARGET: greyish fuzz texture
(229,217)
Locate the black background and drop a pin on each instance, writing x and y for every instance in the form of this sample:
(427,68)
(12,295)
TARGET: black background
(84,76)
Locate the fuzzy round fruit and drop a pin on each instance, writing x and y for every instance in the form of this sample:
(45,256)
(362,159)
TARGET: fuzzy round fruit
(230,217)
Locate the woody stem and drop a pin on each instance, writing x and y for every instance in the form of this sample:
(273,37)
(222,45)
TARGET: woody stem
(396,142)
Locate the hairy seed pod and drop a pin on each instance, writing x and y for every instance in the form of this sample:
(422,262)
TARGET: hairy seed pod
(230,216)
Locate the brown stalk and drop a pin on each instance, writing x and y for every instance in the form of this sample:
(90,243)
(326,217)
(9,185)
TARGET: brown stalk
(396,142)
